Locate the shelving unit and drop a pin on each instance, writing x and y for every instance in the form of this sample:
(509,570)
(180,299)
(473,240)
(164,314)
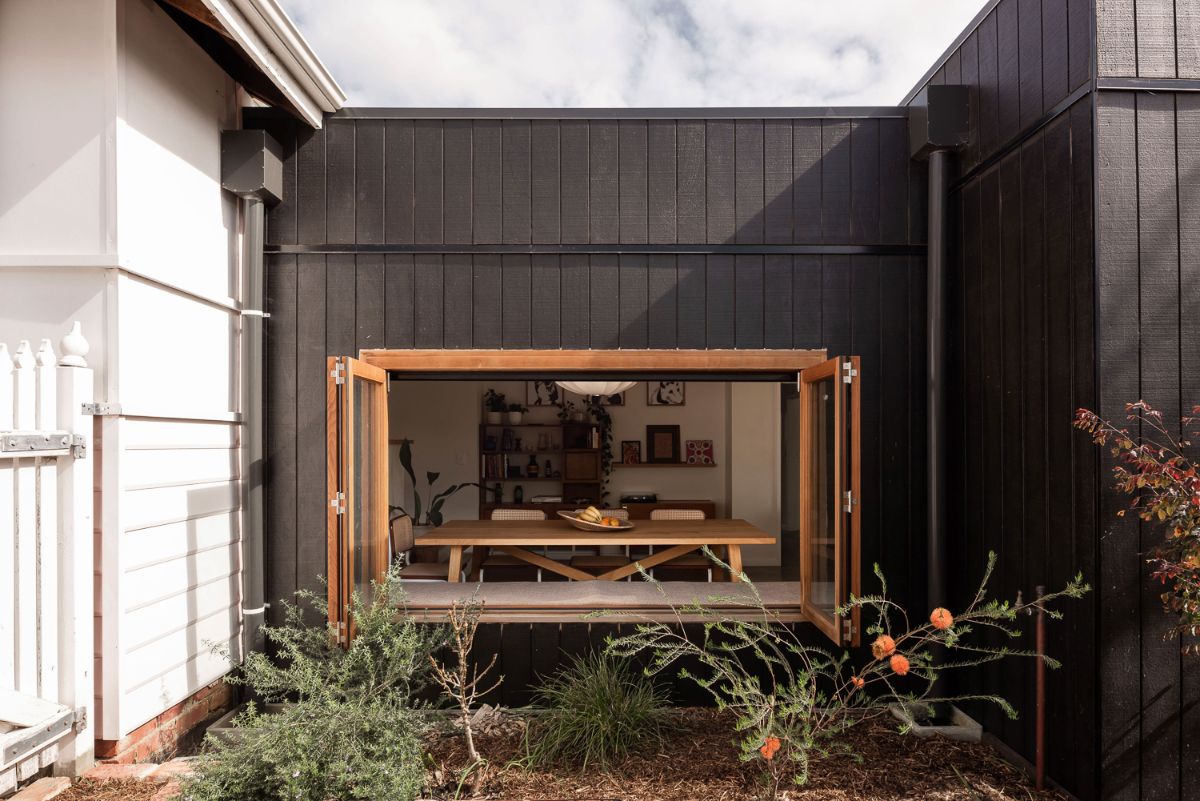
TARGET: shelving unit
(662,464)
(577,461)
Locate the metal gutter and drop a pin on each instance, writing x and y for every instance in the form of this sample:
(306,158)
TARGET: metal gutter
(691,113)
(269,39)
(831,250)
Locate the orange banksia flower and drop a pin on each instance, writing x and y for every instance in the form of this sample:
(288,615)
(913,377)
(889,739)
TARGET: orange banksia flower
(769,748)
(899,663)
(883,646)
(858,681)
(941,619)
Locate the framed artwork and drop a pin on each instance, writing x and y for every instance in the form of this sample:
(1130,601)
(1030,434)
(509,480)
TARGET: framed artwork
(665,393)
(542,393)
(662,444)
(631,451)
(698,451)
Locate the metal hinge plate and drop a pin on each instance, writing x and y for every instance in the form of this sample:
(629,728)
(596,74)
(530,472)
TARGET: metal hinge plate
(847,629)
(338,502)
(850,501)
(848,372)
(338,373)
(81,719)
(43,443)
(102,409)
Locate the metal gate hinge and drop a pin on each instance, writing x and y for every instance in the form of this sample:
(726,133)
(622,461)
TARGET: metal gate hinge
(338,373)
(43,443)
(338,502)
(81,719)
(848,372)
(102,409)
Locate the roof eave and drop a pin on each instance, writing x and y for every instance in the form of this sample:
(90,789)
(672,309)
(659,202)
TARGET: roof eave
(267,36)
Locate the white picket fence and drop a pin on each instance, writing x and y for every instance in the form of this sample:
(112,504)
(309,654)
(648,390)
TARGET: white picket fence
(46,546)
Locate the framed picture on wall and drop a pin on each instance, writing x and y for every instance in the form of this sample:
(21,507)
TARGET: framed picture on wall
(699,451)
(665,393)
(662,444)
(631,451)
(542,393)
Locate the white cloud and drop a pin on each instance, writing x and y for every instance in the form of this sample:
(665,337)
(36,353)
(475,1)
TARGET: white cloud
(560,53)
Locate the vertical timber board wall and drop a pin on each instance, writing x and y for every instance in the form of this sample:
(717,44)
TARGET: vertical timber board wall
(1021,60)
(1148,210)
(1148,39)
(474,193)
(1021,350)
(1021,339)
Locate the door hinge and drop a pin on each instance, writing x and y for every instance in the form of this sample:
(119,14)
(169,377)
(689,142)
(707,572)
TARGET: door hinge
(338,373)
(850,501)
(338,502)
(341,633)
(848,372)
(847,629)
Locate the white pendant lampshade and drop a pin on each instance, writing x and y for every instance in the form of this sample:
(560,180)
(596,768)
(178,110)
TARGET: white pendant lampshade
(590,388)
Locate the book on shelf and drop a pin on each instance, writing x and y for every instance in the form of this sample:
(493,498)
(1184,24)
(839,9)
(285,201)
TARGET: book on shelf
(494,465)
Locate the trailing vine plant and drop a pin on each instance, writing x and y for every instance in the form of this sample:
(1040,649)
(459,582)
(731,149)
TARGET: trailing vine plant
(1153,468)
(603,420)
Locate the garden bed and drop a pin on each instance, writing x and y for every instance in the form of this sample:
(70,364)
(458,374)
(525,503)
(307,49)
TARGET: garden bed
(698,761)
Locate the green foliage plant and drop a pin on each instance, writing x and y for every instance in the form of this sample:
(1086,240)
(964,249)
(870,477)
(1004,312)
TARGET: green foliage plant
(1153,467)
(791,700)
(598,709)
(349,726)
(603,420)
(432,510)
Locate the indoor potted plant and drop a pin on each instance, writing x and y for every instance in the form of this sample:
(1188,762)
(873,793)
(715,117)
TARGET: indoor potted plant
(516,412)
(494,406)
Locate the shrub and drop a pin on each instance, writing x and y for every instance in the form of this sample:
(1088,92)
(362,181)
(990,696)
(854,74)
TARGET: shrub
(598,709)
(1164,482)
(348,729)
(792,700)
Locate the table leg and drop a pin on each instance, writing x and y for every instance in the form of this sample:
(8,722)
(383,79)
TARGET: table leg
(735,562)
(455,564)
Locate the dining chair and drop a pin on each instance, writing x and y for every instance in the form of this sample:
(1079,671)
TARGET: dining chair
(403,547)
(688,563)
(507,566)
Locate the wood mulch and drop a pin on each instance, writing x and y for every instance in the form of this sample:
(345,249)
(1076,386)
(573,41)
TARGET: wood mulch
(110,790)
(699,761)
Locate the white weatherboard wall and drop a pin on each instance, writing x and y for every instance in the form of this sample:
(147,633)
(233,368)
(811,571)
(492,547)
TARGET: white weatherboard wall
(111,213)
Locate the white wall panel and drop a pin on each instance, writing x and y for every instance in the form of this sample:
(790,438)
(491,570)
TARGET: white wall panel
(149,546)
(175,224)
(167,579)
(173,648)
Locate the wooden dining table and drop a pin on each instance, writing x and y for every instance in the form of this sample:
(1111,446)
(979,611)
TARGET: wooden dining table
(671,538)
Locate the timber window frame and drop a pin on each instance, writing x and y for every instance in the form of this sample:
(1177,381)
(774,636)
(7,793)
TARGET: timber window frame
(352,560)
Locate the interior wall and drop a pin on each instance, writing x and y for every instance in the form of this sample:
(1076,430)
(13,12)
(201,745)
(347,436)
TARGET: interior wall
(442,418)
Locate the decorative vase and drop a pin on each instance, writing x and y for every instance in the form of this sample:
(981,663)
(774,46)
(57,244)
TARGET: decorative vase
(494,418)
(514,418)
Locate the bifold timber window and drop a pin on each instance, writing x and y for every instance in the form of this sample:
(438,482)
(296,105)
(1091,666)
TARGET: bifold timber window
(830,515)
(357,472)
(827,455)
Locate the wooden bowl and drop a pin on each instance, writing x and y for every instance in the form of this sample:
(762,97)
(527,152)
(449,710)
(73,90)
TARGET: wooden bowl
(584,525)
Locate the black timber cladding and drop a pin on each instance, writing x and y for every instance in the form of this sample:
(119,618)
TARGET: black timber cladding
(567,232)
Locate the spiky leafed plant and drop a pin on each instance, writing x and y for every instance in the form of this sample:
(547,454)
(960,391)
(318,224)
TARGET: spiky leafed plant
(432,510)
(598,709)
(791,700)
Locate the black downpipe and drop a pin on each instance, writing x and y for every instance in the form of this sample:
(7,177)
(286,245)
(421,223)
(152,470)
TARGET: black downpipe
(935,281)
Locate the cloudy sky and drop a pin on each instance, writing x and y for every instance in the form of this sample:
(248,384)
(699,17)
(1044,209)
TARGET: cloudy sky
(629,52)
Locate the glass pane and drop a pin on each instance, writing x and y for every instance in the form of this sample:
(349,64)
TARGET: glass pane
(363,468)
(789,484)
(823,509)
